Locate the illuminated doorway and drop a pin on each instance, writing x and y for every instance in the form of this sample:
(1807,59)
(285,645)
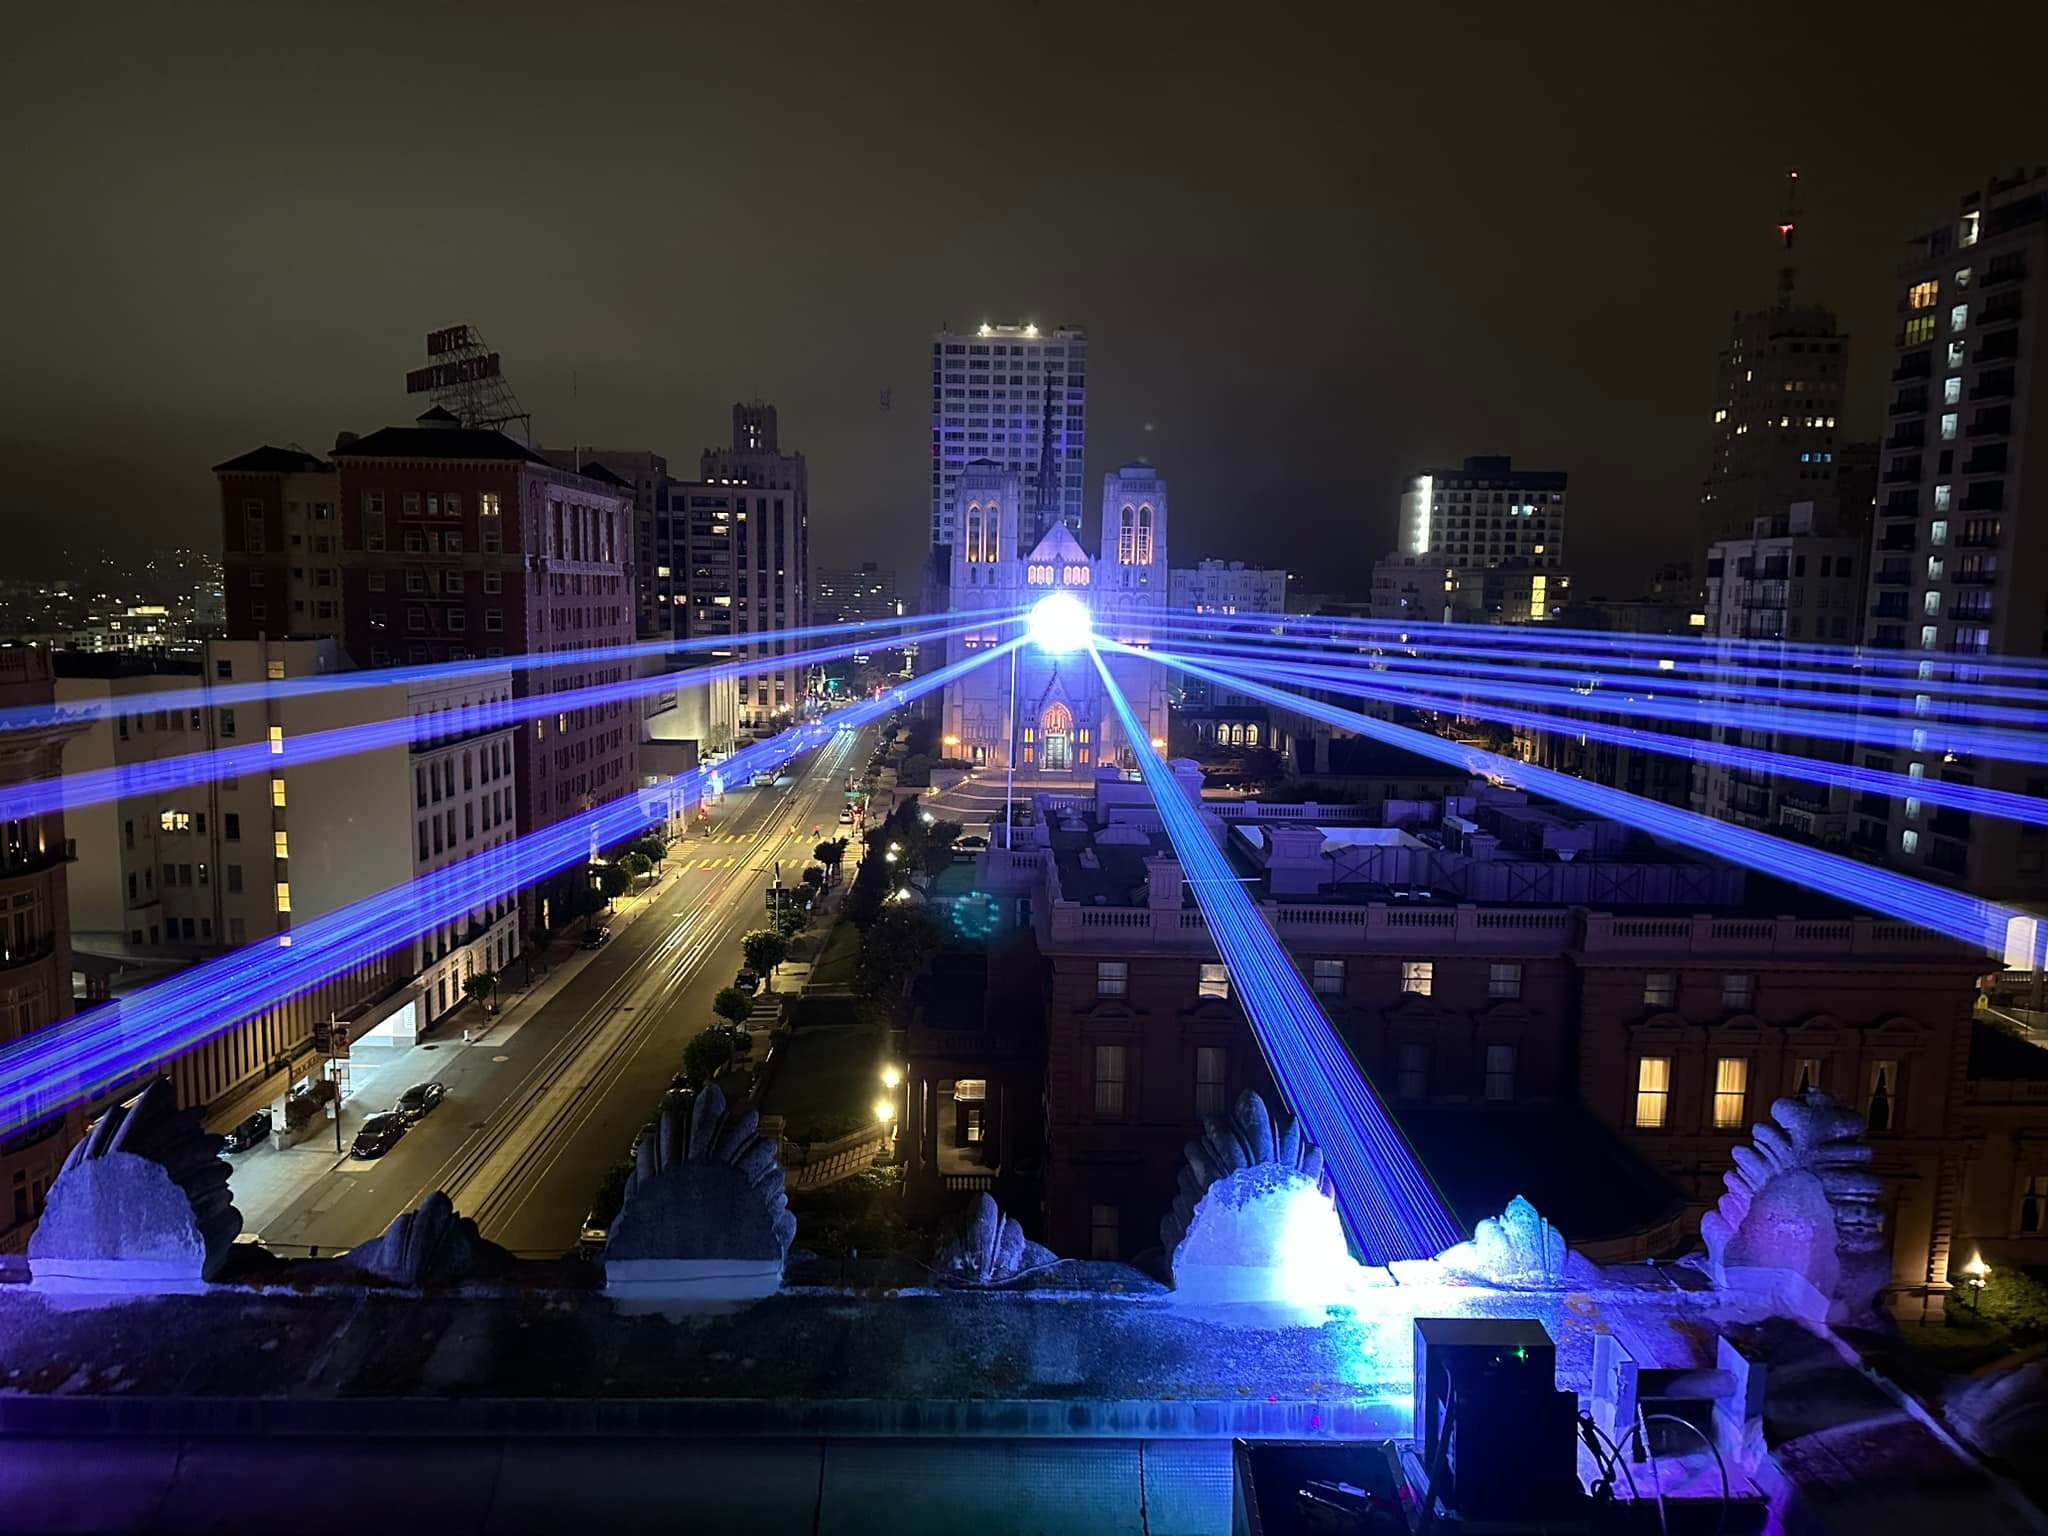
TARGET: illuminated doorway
(1056,733)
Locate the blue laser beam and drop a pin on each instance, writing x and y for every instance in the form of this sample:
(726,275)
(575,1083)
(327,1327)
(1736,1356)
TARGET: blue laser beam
(2007,806)
(1664,675)
(1388,1201)
(1932,736)
(90,1053)
(27,716)
(37,797)
(1981,924)
(1969,667)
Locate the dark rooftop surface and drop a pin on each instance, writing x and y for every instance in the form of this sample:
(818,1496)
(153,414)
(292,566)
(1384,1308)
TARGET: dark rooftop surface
(440,442)
(2000,1056)
(1557,1156)
(268,460)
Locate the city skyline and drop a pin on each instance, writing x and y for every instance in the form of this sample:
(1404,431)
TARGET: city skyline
(1349,321)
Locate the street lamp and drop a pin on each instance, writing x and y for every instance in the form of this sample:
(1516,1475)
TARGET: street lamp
(1975,1273)
(891,1077)
(885,1111)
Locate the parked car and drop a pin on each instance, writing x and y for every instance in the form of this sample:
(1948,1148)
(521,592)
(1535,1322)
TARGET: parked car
(975,843)
(846,816)
(594,938)
(419,1100)
(379,1134)
(249,1132)
(747,981)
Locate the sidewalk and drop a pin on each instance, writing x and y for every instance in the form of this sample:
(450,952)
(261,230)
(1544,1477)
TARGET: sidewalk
(269,1181)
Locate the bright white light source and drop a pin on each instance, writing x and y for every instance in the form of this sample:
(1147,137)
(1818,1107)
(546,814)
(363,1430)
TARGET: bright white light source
(1059,624)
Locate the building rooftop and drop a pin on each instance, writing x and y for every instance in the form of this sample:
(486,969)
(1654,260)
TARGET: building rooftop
(268,460)
(440,441)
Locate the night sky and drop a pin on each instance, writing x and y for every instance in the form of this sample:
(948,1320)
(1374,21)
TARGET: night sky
(1315,247)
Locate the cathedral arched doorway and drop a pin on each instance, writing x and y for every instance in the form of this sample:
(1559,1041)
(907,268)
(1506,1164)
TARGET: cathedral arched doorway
(1056,737)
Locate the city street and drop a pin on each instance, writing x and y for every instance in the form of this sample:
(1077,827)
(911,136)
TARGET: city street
(539,1105)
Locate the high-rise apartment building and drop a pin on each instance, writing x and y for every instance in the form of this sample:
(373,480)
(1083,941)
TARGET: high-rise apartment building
(732,557)
(1016,396)
(462,542)
(645,471)
(1777,397)
(1797,580)
(854,595)
(1960,549)
(1218,586)
(1496,536)
(281,531)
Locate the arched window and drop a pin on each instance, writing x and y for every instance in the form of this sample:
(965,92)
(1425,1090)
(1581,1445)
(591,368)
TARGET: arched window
(1127,535)
(974,533)
(992,533)
(1142,543)
(1251,735)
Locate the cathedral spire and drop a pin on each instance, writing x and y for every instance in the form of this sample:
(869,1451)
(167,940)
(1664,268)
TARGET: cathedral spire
(1051,483)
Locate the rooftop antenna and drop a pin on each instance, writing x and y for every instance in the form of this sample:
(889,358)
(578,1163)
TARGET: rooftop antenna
(1788,228)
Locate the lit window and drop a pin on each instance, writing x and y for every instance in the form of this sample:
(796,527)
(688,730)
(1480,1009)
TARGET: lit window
(1948,427)
(277,793)
(1500,1073)
(1956,352)
(1653,1092)
(1909,841)
(175,821)
(1112,978)
(1214,982)
(1328,977)
(1930,636)
(1923,295)
(1806,1074)
(1919,329)
(1211,1068)
(1738,990)
(1660,989)
(281,844)
(1731,1092)
(1109,1080)
(274,670)
(1966,233)
(1105,1231)
(277,738)
(1504,979)
(1418,976)
(284,896)
(1951,391)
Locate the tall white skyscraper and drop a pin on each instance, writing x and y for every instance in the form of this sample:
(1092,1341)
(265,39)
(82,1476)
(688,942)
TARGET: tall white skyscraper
(1010,394)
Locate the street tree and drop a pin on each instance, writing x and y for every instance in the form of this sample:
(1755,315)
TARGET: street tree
(765,949)
(733,1005)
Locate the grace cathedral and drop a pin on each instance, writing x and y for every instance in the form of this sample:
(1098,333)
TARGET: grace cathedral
(1064,725)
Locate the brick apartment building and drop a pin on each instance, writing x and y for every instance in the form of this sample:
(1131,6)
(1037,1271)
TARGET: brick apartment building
(450,542)
(1551,1004)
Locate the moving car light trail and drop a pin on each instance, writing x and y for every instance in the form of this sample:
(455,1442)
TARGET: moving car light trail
(226,694)
(95,1051)
(1980,924)
(39,797)
(1391,1207)
(1476,704)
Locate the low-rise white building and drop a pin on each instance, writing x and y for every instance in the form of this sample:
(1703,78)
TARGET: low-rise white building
(178,875)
